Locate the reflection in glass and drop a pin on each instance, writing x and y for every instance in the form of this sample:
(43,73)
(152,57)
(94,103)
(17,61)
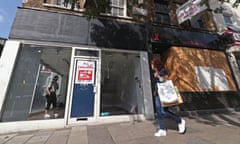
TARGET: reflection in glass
(39,100)
(121,90)
(34,69)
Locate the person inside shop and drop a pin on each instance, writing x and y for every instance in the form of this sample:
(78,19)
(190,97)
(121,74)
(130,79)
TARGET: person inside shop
(51,97)
(161,75)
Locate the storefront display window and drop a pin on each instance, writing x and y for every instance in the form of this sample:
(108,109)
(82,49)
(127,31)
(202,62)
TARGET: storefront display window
(121,87)
(34,70)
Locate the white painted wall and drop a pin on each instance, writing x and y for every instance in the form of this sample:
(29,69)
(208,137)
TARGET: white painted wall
(7,62)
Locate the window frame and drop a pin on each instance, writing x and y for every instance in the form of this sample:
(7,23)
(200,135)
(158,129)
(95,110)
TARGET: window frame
(163,14)
(60,4)
(114,6)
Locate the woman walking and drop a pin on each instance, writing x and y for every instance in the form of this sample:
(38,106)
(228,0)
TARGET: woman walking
(161,75)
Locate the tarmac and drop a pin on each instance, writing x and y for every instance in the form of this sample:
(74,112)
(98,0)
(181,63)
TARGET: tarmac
(221,128)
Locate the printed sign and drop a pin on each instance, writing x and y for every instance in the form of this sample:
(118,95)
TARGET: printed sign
(85,72)
(167,92)
(189,9)
(139,11)
(236,36)
(85,75)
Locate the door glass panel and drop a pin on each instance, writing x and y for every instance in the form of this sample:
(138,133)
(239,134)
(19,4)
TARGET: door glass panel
(89,53)
(121,89)
(83,89)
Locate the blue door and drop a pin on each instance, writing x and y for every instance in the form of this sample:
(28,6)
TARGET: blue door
(83,95)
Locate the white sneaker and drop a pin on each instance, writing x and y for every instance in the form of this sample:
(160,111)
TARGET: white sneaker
(46,116)
(55,115)
(182,126)
(160,133)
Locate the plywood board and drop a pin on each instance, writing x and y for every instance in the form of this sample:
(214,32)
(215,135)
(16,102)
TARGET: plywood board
(189,67)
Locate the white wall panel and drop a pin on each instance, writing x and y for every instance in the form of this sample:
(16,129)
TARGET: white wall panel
(7,62)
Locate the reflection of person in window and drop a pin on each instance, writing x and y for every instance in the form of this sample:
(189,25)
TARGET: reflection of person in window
(51,96)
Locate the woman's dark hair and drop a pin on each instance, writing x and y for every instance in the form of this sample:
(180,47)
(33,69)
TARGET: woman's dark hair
(157,63)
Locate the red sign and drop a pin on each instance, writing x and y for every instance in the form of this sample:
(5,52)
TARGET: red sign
(156,37)
(85,75)
(85,72)
(235,35)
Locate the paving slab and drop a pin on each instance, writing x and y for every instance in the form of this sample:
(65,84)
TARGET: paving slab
(201,129)
(19,139)
(99,135)
(78,135)
(5,138)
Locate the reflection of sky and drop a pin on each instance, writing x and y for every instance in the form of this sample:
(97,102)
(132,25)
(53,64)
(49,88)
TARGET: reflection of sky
(184,37)
(7,13)
(197,36)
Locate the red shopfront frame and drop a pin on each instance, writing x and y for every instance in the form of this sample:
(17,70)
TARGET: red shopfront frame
(235,36)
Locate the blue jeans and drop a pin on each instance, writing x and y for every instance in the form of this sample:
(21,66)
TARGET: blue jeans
(163,111)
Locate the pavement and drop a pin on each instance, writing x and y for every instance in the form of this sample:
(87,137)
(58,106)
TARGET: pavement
(221,128)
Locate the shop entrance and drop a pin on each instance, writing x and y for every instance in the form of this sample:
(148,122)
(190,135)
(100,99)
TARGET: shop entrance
(105,86)
(83,86)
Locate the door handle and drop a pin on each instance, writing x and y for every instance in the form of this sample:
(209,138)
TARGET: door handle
(94,89)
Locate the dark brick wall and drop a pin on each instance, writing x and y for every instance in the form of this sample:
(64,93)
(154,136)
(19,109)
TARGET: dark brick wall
(210,100)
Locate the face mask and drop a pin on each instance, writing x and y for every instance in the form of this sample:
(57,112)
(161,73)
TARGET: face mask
(161,79)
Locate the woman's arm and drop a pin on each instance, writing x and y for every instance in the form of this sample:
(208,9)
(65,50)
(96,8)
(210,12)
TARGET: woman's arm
(48,91)
(156,74)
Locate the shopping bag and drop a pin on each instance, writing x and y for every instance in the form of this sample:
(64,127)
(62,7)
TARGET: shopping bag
(167,92)
(178,102)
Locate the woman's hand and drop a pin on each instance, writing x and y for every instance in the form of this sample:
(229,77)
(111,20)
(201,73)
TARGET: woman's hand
(156,75)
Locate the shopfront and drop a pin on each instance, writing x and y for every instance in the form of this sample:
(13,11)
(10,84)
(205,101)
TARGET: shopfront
(102,67)
(95,85)
(198,66)
(106,85)
(233,52)
(103,70)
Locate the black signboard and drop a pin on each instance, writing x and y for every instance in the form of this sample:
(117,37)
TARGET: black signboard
(180,37)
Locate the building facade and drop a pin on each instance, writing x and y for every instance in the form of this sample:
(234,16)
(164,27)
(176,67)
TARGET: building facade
(228,23)
(103,63)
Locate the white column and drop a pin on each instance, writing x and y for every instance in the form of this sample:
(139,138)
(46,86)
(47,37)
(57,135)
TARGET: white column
(7,62)
(146,86)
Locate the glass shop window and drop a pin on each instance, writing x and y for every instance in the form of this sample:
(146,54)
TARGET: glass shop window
(34,70)
(161,10)
(121,88)
(118,8)
(198,24)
